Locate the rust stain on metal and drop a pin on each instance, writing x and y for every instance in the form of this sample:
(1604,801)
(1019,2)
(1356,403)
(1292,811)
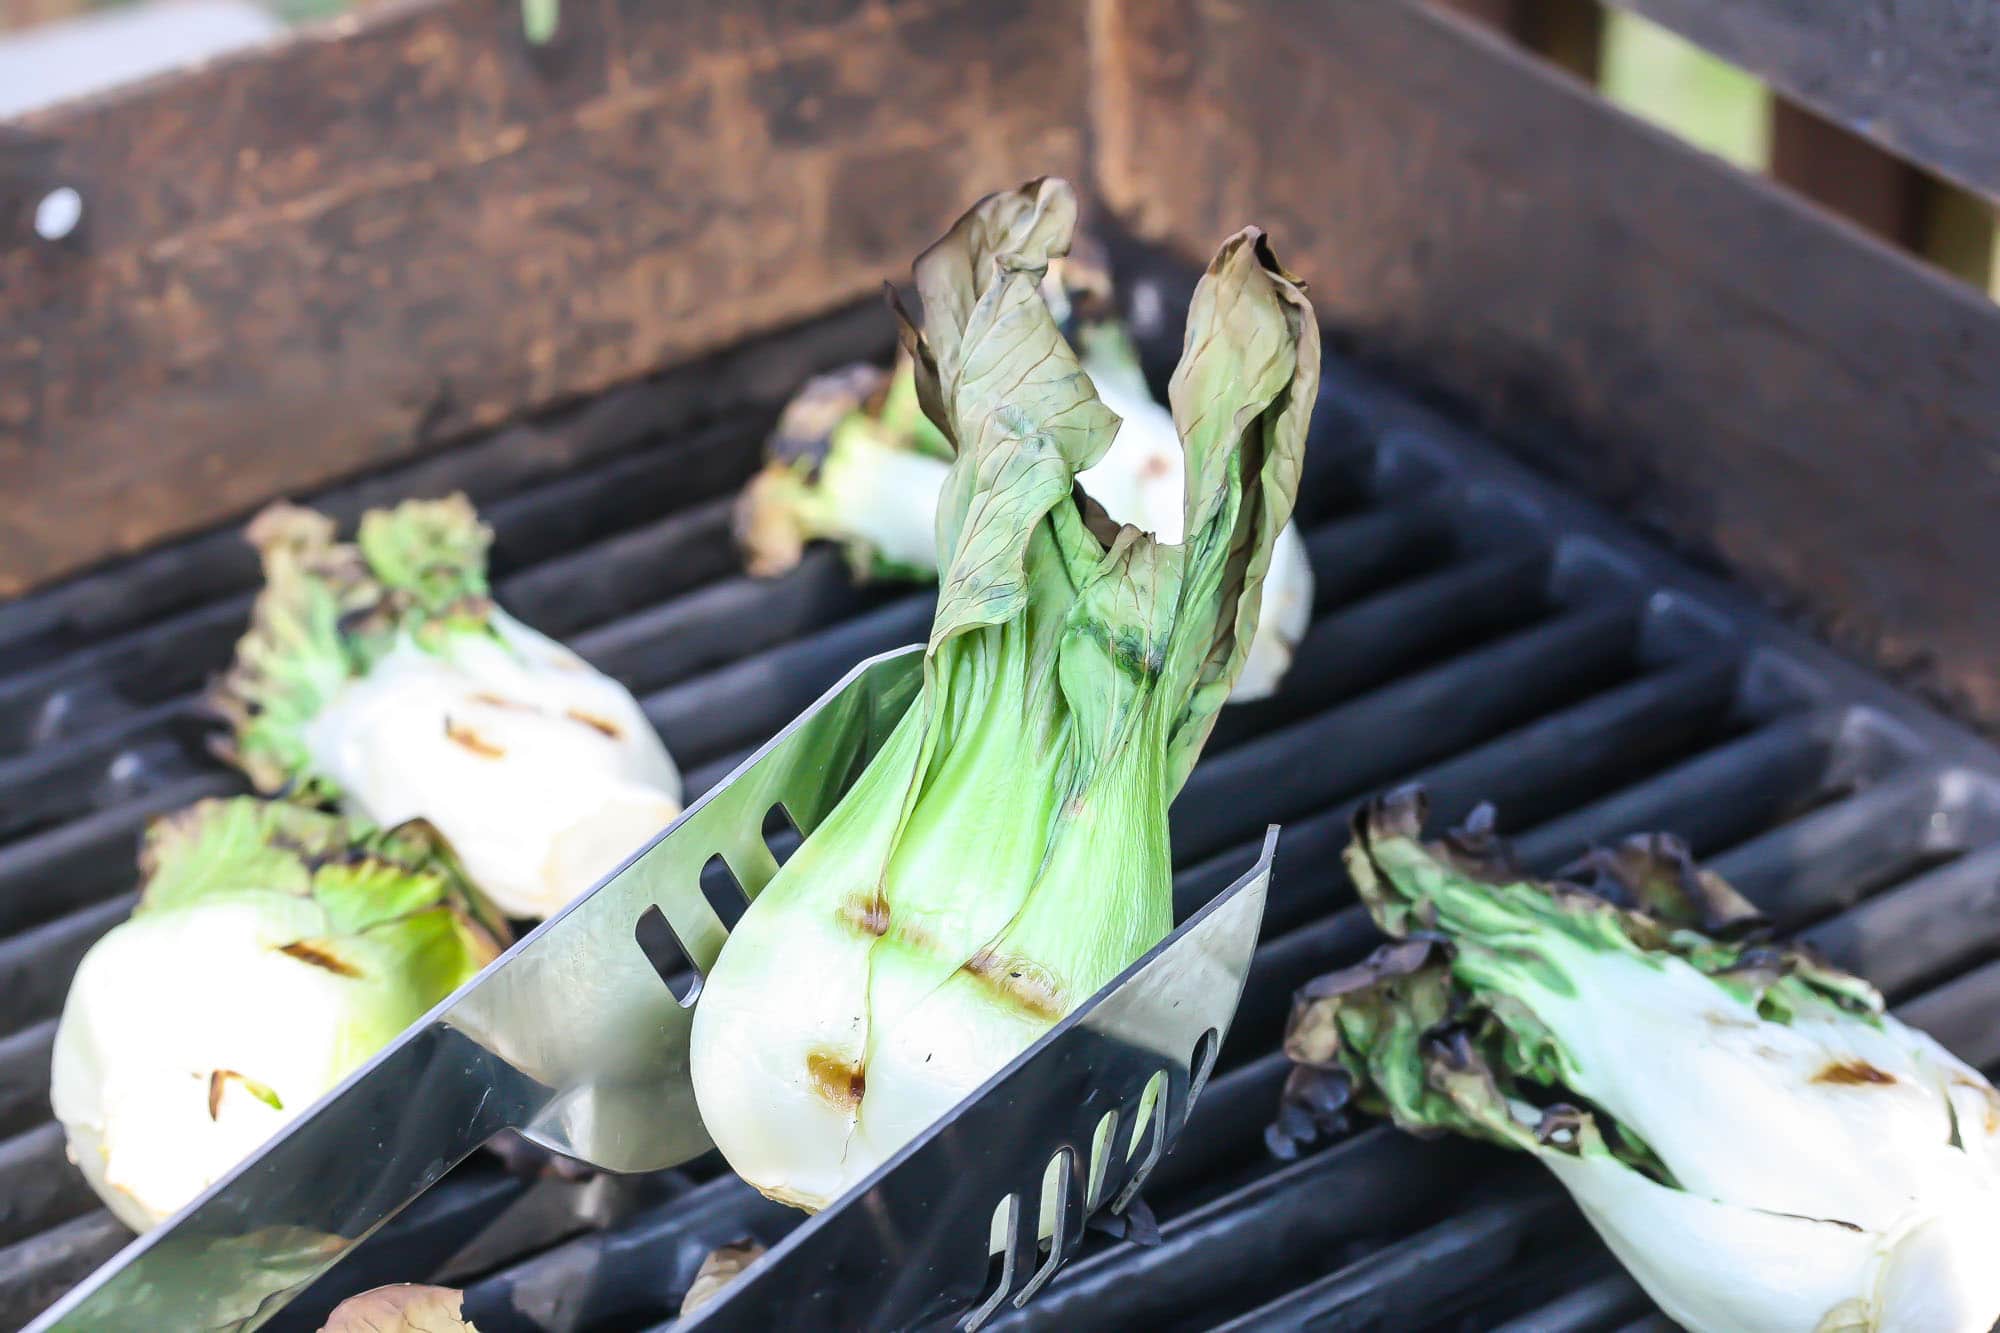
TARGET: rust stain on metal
(1715,466)
(193,266)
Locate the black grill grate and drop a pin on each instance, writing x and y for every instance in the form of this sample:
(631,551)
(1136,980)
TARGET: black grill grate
(1472,630)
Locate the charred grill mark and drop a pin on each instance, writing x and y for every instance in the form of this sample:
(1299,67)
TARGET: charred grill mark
(314,956)
(1017,983)
(313,858)
(1853,1073)
(492,700)
(866,912)
(460,734)
(602,726)
(219,1079)
(835,1081)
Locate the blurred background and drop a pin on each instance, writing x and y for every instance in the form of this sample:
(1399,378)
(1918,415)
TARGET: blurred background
(1724,110)
(55,49)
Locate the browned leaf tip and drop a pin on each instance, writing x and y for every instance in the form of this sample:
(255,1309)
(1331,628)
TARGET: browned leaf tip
(822,403)
(403,1308)
(717,1271)
(1476,850)
(1312,1107)
(1398,813)
(1656,873)
(1399,958)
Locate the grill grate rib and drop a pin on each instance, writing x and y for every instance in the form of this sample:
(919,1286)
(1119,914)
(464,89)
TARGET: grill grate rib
(1470,629)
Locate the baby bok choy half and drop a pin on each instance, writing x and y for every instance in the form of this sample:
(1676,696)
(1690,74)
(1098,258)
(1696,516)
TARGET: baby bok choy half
(854,460)
(380,675)
(1006,853)
(1755,1139)
(274,948)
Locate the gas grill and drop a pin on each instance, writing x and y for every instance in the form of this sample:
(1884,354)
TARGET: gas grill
(1473,629)
(409,254)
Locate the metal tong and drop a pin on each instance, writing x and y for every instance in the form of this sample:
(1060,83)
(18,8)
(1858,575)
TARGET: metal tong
(577,1037)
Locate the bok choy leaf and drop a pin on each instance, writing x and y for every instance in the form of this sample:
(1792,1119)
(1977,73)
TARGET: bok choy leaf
(1752,1135)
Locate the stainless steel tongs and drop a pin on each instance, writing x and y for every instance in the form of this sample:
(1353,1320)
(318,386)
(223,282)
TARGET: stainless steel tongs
(577,1038)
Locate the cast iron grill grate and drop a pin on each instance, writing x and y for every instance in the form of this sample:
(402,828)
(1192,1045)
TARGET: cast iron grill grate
(1472,629)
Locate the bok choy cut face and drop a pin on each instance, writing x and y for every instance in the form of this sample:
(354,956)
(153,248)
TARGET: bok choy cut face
(380,674)
(1754,1138)
(855,461)
(273,950)
(1006,853)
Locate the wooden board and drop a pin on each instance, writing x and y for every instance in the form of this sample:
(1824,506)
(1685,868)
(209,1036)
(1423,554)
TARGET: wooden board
(1785,396)
(311,260)
(1921,78)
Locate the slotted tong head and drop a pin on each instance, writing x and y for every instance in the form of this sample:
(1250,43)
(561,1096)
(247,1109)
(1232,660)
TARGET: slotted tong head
(577,1037)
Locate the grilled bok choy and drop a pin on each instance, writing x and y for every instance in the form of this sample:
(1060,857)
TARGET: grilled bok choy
(379,674)
(274,948)
(855,461)
(1754,1138)
(1006,853)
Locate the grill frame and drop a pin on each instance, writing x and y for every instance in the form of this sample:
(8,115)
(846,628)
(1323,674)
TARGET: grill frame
(1420,530)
